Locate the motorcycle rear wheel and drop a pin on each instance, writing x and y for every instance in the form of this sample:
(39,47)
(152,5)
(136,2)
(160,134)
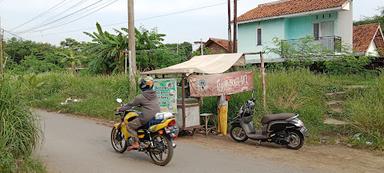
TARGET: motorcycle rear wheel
(296,140)
(119,145)
(238,134)
(156,154)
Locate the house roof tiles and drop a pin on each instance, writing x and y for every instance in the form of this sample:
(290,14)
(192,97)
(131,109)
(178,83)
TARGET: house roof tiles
(363,36)
(221,42)
(287,7)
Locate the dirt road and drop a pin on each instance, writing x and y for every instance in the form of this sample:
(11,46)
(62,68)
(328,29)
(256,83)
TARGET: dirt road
(78,145)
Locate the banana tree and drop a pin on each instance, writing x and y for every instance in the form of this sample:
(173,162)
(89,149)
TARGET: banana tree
(72,60)
(108,50)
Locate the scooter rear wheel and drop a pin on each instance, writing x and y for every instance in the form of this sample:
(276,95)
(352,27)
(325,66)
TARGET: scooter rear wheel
(238,134)
(296,140)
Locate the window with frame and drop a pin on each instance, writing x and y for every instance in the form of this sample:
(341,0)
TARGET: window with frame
(316,31)
(258,38)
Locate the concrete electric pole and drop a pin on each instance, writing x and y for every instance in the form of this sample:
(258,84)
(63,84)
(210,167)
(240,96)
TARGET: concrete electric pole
(234,50)
(131,41)
(229,27)
(201,46)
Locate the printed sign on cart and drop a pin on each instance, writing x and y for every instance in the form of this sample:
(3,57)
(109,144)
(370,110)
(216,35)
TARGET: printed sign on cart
(166,90)
(220,84)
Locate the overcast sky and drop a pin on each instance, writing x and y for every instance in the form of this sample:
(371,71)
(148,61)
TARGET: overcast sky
(189,26)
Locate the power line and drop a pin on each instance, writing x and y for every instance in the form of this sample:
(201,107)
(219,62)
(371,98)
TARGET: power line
(68,9)
(83,16)
(39,15)
(54,21)
(143,19)
(13,34)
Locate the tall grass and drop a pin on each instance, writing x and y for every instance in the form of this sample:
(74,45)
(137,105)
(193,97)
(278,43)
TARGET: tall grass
(366,111)
(96,94)
(19,132)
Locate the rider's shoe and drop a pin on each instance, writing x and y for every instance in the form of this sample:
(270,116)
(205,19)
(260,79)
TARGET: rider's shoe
(134,146)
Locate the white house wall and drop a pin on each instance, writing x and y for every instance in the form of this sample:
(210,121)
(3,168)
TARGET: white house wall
(344,25)
(372,50)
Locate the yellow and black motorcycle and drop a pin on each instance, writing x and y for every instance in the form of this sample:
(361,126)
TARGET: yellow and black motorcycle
(156,138)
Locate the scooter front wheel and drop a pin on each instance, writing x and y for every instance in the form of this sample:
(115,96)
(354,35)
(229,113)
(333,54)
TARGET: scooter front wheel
(238,134)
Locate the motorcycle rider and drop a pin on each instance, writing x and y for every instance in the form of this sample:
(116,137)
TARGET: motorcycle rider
(149,103)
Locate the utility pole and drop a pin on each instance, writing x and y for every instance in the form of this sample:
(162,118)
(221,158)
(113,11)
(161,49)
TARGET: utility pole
(235,26)
(229,27)
(177,48)
(131,41)
(201,46)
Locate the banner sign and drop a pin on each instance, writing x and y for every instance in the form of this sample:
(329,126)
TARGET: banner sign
(166,90)
(220,84)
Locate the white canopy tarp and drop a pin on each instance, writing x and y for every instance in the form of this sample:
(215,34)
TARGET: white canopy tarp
(205,64)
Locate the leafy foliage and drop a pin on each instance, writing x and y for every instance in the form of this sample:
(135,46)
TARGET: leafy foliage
(109,50)
(301,52)
(347,65)
(31,64)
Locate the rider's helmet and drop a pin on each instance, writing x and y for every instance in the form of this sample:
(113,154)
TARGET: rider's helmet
(146,83)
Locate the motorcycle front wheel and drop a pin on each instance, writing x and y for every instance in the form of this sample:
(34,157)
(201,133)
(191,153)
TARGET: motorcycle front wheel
(118,142)
(162,152)
(238,134)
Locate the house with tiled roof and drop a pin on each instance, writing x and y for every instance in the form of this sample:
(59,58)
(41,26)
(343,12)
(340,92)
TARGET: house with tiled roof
(328,22)
(368,40)
(217,46)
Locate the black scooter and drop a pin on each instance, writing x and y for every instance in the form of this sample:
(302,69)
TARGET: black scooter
(283,129)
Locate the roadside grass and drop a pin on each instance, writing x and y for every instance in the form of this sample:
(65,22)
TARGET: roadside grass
(365,109)
(19,132)
(88,95)
(296,90)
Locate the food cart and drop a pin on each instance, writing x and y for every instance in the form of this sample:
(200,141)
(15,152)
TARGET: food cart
(188,112)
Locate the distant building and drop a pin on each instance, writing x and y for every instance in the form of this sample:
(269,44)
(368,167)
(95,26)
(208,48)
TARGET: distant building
(217,46)
(368,40)
(329,22)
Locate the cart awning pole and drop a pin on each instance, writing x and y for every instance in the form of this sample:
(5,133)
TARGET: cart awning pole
(183,99)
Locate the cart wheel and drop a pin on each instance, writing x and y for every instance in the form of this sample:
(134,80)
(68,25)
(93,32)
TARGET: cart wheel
(192,132)
(214,132)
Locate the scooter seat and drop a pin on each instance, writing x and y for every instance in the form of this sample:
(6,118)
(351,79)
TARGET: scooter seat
(273,117)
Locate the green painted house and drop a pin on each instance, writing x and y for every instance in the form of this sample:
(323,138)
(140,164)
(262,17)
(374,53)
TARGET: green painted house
(328,22)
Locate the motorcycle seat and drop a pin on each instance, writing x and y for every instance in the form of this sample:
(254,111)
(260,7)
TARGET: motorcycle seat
(150,123)
(273,117)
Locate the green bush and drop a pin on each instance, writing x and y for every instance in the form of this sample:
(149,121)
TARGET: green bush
(19,132)
(347,65)
(30,64)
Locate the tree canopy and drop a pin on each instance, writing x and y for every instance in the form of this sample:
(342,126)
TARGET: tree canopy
(104,54)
